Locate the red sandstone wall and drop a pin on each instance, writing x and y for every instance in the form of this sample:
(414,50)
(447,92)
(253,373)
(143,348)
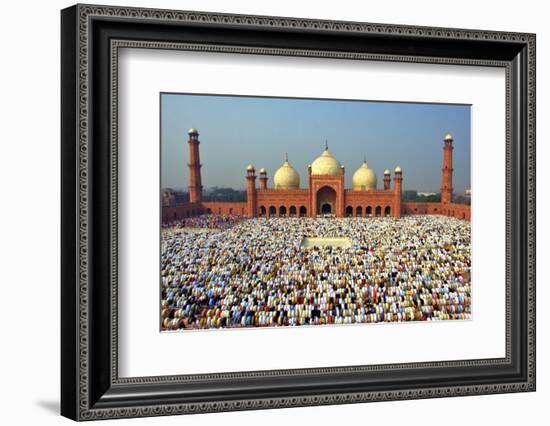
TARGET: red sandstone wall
(181,211)
(460,211)
(421,208)
(217,207)
(285,197)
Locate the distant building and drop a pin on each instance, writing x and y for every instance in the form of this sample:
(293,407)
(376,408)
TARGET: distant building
(168,198)
(325,193)
(426,194)
(172,197)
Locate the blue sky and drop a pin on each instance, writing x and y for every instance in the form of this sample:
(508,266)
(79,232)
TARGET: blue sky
(236,131)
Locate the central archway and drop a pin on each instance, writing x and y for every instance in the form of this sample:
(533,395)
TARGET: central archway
(326,200)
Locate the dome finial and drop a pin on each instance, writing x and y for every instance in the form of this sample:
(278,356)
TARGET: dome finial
(286,156)
(326,144)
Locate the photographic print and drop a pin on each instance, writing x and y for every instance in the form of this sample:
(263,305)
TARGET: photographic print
(282,212)
(270,182)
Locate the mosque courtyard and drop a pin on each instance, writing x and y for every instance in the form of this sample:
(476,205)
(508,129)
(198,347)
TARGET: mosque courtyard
(232,272)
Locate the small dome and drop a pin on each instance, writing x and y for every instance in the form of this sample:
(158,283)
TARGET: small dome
(387,172)
(262,170)
(398,169)
(364,179)
(193,131)
(448,137)
(286,177)
(326,164)
(250,167)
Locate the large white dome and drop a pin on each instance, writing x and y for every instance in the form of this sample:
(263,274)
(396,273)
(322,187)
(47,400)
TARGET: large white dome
(326,164)
(364,178)
(286,177)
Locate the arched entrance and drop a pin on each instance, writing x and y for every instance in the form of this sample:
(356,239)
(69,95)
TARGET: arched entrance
(349,211)
(326,201)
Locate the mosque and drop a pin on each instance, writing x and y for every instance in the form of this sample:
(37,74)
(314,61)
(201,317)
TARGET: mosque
(324,194)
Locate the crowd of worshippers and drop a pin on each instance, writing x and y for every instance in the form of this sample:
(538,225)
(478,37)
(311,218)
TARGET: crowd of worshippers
(207,221)
(258,274)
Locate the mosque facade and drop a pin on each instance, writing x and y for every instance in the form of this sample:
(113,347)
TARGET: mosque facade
(323,195)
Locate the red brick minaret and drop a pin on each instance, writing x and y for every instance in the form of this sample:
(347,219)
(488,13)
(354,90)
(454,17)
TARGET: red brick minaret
(263,178)
(387,179)
(311,208)
(447,171)
(195,183)
(251,191)
(397,183)
(340,194)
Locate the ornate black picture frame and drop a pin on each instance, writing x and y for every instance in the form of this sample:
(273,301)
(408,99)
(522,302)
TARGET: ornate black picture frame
(91,36)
